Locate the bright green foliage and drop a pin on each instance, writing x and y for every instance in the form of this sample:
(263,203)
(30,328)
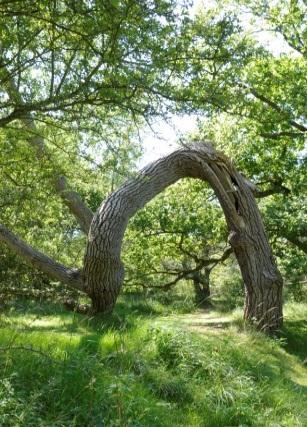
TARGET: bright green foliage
(285,17)
(183,223)
(286,223)
(89,73)
(84,58)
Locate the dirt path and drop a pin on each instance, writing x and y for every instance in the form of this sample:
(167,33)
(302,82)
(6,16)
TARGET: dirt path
(199,321)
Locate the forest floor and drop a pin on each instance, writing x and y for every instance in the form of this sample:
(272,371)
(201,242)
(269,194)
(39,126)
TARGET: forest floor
(149,365)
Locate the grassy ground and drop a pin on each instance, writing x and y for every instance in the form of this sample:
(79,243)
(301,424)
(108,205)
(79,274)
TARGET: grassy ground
(146,366)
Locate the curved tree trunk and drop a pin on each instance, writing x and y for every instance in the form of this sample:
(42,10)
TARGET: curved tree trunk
(103,269)
(103,272)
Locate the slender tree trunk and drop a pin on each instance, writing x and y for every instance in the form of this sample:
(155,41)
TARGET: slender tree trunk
(104,272)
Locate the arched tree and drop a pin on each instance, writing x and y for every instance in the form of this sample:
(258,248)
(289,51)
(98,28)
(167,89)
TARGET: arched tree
(103,272)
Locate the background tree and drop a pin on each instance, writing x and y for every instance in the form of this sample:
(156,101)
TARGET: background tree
(180,236)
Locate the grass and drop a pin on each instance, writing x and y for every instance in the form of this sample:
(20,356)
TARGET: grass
(148,365)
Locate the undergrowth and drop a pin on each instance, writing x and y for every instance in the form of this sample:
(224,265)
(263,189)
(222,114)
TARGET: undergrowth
(136,368)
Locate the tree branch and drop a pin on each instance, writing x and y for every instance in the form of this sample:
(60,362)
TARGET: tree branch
(187,273)
(277,135)
(275,106)
(71,199)
(38,260)
(276,188)
(294,239)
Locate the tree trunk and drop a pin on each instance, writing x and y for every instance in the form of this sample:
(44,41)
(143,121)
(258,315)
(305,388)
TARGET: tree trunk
(201,282)
(104,272)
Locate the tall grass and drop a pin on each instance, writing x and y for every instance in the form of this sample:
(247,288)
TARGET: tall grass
(136,368)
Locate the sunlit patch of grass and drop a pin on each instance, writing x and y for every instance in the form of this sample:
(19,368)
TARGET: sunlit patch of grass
(143,366)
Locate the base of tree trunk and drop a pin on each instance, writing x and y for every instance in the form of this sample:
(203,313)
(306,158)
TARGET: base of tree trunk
(264,310)
(202,295)
(104,302)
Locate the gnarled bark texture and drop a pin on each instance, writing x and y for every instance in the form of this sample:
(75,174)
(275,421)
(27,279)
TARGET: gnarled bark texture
(103,270)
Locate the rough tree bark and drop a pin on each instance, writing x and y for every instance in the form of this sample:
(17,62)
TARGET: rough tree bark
(103,272)
(103,269)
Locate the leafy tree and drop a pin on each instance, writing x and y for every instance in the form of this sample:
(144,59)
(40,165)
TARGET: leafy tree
(84,66)
(74,80)
(180,235)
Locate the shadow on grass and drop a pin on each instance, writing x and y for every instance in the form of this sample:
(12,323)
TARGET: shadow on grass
(130,308)
(53,317)
(295,334)
(90,343)
(202,321)
(226,306)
